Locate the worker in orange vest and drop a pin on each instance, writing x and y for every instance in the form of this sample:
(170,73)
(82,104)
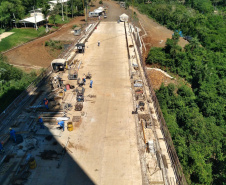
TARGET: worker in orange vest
(46,103)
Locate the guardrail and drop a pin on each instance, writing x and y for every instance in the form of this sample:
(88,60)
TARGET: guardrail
(169,143)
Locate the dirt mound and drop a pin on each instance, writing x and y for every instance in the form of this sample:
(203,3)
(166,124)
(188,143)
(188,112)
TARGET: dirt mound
(157,78)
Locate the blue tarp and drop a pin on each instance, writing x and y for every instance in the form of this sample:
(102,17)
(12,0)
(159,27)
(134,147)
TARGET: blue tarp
(180,33)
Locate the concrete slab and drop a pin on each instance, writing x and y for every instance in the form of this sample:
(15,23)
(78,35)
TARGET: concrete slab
(104,143)
(5,34)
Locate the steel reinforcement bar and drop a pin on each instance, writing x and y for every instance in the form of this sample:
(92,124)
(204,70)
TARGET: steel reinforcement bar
(169,143)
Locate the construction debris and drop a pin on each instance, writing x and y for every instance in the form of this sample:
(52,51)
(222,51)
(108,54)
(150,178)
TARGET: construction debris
(88,75)
(78,106)
(91,96)
(49,155)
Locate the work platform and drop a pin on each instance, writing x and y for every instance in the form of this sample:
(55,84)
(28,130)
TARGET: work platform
(115,136)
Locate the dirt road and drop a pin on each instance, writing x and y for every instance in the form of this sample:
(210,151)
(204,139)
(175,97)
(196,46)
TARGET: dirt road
(35,54)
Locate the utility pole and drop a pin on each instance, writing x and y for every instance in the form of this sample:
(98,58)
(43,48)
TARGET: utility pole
(66,12)
(72,9)
(15,19)
(86,11)
(35,18)
(62,10)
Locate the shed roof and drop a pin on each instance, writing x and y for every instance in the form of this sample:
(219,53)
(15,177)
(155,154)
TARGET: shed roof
(77,28)
(32,19)
(123,15)
(97,11)
(100,8)
(58,61)
(59,1)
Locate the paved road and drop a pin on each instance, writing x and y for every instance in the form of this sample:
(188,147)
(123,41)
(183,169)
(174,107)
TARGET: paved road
(109,133)
(104,145)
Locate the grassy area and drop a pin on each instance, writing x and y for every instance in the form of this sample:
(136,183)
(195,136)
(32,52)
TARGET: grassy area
(23,35)
(59,20)
(20,36)
(2,31)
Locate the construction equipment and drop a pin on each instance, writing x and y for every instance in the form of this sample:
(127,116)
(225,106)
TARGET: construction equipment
(138,83)
(88,75)
(80,94)
(80,82)
(141,105)
(56,82)
(72,74)
(78,106)
(58,65)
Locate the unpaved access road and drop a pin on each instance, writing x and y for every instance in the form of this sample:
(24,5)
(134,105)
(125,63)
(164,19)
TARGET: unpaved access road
(35,54)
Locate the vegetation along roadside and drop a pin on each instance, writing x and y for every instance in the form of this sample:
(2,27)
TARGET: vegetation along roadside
(195,116)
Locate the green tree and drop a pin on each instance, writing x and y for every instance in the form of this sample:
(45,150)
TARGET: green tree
(45,11)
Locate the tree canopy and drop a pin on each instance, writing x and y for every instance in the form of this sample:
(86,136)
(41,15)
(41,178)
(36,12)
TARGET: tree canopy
(196,114)
(12,82)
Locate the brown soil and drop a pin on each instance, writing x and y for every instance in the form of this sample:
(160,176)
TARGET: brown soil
(157,78)
(56,52)
(155,35)
(35,55)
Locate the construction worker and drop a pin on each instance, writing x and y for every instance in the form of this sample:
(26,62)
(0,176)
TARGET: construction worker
(12,134)
(61,123)
(137,107)
(41,122)
(84,81)
(46,103)
(91,84)
(1,148)
(98,43)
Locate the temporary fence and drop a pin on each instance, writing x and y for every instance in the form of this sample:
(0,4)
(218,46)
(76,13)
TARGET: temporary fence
(169,143)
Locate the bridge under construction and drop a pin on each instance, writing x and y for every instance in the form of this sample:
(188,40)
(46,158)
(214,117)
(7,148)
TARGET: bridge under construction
(114,131)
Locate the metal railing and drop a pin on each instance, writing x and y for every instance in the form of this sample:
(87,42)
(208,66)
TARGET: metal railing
(169,143)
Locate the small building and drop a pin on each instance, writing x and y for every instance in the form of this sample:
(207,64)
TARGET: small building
(37,12)
(72,74)
(53,3)
(58,65)
(100,8)
(124,17)
(122,4)
(77,31)
(81,47)
(30,21)
(94,14)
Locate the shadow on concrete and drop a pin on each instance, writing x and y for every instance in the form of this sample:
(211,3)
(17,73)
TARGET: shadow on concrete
(54,163)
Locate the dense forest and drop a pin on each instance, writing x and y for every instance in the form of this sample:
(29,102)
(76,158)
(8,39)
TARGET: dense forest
(194,112)
(12,82)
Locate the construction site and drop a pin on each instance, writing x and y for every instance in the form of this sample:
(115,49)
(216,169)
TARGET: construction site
(113,129)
